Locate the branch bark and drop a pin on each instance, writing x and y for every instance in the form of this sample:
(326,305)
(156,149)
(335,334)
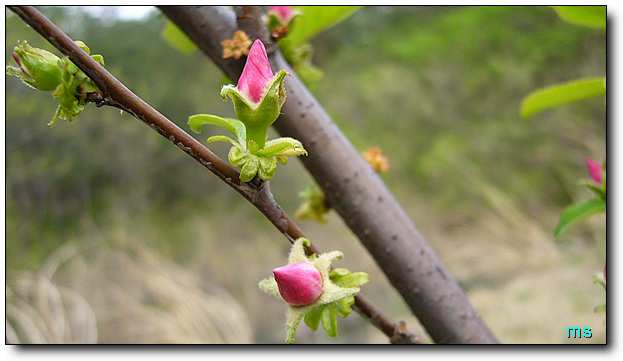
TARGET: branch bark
(256,192)
(351,186)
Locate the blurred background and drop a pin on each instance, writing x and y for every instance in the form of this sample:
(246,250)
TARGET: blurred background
(113,235)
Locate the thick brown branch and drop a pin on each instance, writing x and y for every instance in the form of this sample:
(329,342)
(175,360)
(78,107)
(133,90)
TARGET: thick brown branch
(355,191)
(257,192)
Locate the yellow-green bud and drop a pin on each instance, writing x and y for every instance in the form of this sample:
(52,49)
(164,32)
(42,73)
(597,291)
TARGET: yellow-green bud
(38,68)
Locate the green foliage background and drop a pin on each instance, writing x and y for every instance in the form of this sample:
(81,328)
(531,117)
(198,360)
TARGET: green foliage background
(437,88)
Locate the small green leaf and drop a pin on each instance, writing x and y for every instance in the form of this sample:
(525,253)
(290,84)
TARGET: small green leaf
(234,126)
(253,147)
(237,157)
(599,279)
(275,148)
(222,138)
(590,16)
(281,159)
(578,212)
(312,318)
(267,167)
(601,192)
(283,146)
(353,280)
(342,307)
(175,37)
(249,169)
(336,273)
(601,308)
(329,320)
(560,94)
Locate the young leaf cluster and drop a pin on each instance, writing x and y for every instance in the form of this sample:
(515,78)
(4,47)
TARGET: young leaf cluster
(246,153)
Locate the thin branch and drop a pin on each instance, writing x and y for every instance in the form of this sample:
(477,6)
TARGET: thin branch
(117,95)
(257,192)
(356,192)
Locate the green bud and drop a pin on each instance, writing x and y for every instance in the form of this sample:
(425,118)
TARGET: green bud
(38,68)
(44,71)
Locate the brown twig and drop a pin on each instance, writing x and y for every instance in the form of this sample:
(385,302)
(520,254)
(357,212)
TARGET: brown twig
(257,192)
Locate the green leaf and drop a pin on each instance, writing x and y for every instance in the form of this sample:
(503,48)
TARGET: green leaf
(316,19)
(275,148)
(342,307)
(222,138)
(267,167)
(253,147)
(175,37)
(336,273)
(601,192)
(559,94)
(249,169)
(234,126)
(590,16)
(237,156)
(329,320)
(312,318)
(353,280)
(282,146)
(578,212)
(281,159)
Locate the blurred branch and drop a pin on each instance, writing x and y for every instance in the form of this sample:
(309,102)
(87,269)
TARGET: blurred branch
(257,192)
(351,186)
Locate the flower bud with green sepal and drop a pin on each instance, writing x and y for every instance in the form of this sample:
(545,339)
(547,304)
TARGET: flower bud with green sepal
(38,68)
(338,290)
(259,96)
(258,99)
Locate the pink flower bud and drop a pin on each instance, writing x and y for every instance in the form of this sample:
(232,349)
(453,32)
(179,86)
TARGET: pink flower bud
(256,74)
(283,13)
(299,283)
(594,169)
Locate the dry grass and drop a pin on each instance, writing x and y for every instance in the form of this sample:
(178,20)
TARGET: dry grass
(119,294)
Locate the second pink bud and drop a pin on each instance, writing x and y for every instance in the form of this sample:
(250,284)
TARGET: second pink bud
(594,169)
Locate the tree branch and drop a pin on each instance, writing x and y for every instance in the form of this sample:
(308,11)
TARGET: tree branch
(256,192)
(353,188)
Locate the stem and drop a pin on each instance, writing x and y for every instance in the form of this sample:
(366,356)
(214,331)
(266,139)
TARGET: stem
(256,192)
(257,134)
(351,186)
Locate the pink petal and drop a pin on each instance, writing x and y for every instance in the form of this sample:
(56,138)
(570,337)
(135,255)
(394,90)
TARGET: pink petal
(299,283)
(594,169)
(256,73)
(19,62)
